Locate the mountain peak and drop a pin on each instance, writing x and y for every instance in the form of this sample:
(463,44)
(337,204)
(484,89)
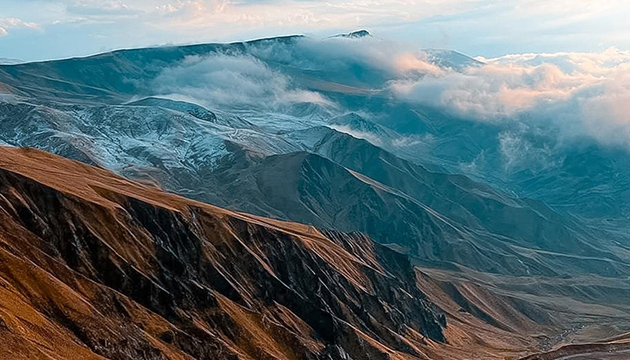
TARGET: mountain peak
(356,34)
(451,59)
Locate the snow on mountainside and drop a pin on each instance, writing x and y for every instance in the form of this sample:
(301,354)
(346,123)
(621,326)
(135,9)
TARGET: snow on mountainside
(355,34)
(275,128)
(197,152)
(521,232)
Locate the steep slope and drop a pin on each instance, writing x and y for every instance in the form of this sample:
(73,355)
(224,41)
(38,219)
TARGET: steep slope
(93,266)
(578,176)
(111,77)
(97,267)
(349,184)
(318,176)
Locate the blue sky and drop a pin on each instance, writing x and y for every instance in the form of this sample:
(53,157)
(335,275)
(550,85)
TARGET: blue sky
(48,29)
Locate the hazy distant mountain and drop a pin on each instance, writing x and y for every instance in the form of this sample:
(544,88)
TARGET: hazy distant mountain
(355,34)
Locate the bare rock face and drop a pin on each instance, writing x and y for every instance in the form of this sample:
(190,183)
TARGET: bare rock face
(93,266)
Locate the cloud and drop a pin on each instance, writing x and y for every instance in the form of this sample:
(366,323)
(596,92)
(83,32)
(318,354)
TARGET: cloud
(605,109)
(100,8)
(580,93)
(598,63)
(256,75)
(7,24)
(311,14)
(518,152)
(338,54)
(370,137)
(408,62)
(237,80)
(577,93)
(468,25)
(493,91)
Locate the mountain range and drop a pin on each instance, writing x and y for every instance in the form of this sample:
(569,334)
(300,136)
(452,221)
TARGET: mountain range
(293,129)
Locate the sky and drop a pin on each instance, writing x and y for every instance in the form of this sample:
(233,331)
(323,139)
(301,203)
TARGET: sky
(50,29)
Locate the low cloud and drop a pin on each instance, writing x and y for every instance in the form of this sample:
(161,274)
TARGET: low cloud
(493,91)
(256,76)
(389,59)
(605,109)
(231,81)
(370,137)
(580,93)
(518,153)
(575,93)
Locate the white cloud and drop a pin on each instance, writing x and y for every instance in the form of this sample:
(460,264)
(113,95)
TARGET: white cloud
(394,59)
(13,23)
(578,92)
(493,91)
(98,8)
(519,153)
(231,80)
(311,14)
(372,138)
(245,79)
(606,111)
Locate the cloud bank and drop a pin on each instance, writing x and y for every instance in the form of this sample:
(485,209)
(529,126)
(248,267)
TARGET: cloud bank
(576,94)
(579,92)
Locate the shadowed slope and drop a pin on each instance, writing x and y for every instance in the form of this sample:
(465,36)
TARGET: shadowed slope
(94,266)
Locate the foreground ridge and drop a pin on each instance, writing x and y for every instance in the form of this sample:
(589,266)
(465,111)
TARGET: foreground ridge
(93,266)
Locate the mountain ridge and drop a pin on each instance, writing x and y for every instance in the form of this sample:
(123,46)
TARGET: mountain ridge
(185,277)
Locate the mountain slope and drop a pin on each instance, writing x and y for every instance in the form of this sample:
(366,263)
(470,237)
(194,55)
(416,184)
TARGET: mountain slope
(350,185)
(298,132)
(93,266)
(96,265)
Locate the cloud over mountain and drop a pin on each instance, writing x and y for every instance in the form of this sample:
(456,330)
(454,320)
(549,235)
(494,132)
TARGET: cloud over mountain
(578,92)
(234,80)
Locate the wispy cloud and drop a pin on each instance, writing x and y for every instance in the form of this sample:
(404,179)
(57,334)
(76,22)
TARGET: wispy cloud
(7,24)
(370,137)
(231,80)
(580,93)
